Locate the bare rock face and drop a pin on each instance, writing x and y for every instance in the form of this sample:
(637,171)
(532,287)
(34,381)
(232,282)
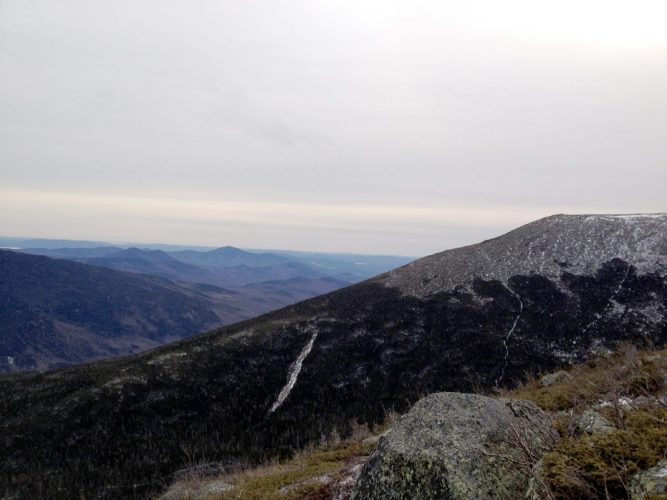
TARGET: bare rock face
(458,446)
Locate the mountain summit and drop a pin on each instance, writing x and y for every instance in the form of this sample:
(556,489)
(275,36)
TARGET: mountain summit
(548,294)
(575,243)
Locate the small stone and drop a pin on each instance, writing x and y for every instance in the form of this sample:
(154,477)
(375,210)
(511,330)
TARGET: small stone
(641,401)
(591,422)
(554,378)
(214,487)
(193,490)
(649,483)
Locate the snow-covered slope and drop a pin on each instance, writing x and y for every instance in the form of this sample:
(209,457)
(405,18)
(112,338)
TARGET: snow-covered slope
(575,243)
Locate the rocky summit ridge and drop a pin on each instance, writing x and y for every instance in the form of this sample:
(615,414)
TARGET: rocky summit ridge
(548,246)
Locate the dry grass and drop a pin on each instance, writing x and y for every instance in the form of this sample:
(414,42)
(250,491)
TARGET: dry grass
(299,474)
(298,477)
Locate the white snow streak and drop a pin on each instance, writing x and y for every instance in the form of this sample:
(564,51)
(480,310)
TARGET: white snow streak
(509,334)
(294,374)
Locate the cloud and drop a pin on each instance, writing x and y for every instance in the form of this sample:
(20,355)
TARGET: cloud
(451,114)
(408,230)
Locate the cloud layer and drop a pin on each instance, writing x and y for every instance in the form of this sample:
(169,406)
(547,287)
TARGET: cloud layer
(379,126)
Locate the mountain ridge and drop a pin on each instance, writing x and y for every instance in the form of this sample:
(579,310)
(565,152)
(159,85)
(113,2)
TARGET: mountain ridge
(229,267)
(458,266)
(350,355)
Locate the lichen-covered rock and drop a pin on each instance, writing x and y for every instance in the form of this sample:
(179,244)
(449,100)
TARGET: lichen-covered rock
(651,483)
(591,422)
(554,378)
(457,446)
(538,488)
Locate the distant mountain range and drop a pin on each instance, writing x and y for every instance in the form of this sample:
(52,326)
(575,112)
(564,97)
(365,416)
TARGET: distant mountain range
(228,267)
(548,294)
(58,312)
(55,312)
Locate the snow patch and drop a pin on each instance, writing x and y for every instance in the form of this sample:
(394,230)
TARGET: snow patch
(635,216)
(293,374)
(166,357)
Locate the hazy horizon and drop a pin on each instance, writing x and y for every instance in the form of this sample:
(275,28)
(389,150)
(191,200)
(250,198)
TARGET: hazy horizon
(394,128)
(185,244)
(6,240)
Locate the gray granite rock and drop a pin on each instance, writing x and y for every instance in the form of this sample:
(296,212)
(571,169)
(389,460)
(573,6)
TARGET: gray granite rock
(457,446)
(591,422)
(554,378)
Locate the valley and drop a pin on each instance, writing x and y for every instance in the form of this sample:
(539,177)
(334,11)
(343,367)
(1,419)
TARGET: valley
(90,303)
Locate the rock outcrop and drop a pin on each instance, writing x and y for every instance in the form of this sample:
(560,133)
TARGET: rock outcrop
(554,378)
(651,483)
(591,422)
(458,446)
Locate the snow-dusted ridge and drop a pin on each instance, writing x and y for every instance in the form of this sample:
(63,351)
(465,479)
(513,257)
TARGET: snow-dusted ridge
(628,216)
(549,246)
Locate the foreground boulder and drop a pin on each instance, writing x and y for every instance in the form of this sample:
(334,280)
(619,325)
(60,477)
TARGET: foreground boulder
(458,446)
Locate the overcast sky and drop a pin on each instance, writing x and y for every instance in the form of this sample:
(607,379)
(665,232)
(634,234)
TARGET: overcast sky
(400,127)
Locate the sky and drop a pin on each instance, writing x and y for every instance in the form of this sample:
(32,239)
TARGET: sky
(386,127)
